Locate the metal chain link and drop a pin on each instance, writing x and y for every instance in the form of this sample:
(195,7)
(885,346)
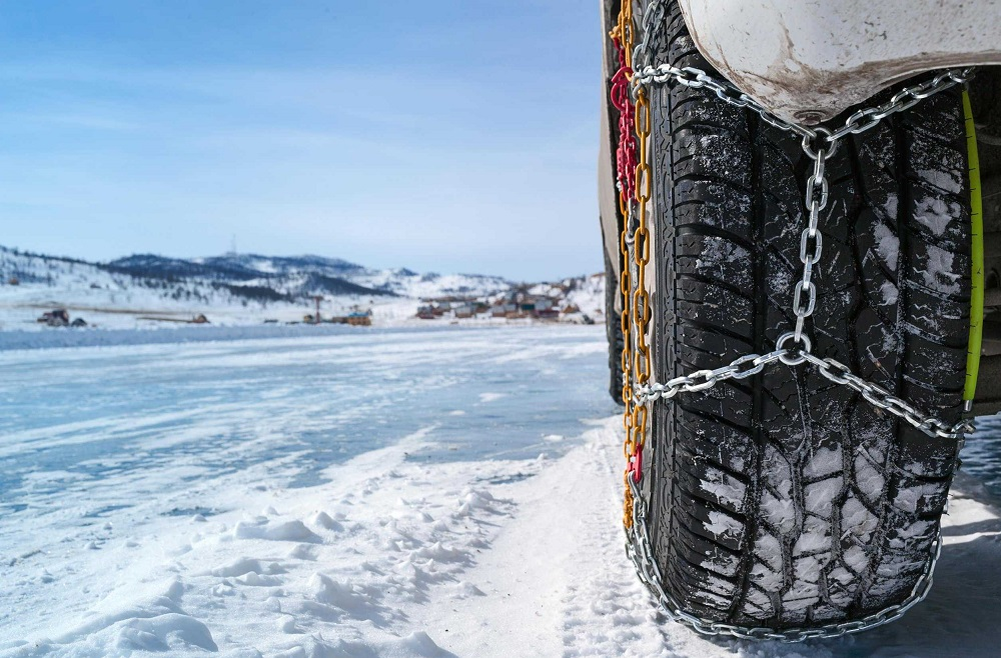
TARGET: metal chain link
(858,122)
(880,398)
(819,144)
(699,79)
(640,551)
(701,380)
(904,99)
(654,15)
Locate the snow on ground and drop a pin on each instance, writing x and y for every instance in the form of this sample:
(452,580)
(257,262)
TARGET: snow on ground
(329,497)
(131,307)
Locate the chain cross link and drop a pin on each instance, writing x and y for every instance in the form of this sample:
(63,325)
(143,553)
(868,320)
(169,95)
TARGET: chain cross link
(819,144)
(639,549)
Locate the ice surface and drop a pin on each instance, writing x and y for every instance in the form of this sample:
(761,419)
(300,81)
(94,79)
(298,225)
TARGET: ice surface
(170,501)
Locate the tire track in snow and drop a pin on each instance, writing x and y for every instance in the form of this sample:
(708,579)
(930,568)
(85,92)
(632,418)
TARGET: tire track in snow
(555,581)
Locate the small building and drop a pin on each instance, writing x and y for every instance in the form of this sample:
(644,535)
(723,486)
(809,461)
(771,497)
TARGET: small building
(60,317)
(359,319)
(426,312)
(547,314)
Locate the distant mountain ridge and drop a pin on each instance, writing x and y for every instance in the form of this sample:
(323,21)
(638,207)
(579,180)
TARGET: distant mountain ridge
(286,276)
(251,276)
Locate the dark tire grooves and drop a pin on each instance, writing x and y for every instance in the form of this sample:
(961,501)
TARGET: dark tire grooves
(783,500)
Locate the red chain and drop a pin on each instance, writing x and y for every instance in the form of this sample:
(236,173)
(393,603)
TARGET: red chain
(625,154)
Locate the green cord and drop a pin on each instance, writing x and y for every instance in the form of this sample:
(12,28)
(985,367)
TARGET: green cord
(977,275)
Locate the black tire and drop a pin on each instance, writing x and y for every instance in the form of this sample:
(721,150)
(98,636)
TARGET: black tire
(784,500)
(613,329)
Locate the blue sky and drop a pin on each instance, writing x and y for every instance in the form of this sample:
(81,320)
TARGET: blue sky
(448,136)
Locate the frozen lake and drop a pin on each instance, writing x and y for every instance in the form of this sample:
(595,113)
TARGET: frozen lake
(91,422)
(363,494)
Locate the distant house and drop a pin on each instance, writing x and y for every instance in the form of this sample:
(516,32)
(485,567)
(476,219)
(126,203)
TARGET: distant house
(57,318)
(426,312)
(465,311)
(547,314)
(360,319)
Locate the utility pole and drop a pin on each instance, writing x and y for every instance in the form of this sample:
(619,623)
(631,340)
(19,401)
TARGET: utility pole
(317,299)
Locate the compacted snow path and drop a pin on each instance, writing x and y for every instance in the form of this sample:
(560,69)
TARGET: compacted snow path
(555,582)
(429,541)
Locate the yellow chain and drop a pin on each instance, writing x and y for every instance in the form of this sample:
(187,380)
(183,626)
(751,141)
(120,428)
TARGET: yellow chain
(624,31)
(640,307)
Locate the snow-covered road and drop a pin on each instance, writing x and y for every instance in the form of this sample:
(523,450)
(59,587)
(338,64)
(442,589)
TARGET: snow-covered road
(362,495)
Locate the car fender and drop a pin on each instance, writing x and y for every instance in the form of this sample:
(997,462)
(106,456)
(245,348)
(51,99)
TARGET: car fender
(809,60)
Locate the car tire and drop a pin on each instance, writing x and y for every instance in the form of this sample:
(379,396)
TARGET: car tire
(613,329)
(784,500)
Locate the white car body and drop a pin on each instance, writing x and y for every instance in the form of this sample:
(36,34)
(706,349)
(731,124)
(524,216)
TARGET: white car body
(809,60)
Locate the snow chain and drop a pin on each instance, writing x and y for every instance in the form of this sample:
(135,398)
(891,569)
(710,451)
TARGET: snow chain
(639,392)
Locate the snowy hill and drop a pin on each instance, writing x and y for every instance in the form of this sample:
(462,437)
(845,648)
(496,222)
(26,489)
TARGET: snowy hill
(309,275)
(145,290)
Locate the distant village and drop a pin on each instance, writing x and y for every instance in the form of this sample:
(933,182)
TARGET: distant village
(576,300)
(546,302)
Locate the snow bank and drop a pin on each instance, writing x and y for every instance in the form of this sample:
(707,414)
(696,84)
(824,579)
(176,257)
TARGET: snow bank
(394,558)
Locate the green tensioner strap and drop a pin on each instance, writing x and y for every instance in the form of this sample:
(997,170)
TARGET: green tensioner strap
(977,275)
